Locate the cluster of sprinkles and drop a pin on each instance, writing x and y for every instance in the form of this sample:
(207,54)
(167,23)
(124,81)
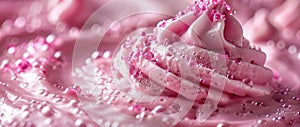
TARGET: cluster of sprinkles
(29,94)
(217,10)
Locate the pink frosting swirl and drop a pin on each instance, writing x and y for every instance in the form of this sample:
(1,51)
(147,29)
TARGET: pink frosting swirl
(191,50)
(202,33)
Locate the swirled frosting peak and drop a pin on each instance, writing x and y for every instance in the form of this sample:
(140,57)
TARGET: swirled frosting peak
(201,48)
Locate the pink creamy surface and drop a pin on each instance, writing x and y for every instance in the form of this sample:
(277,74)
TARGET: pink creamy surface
(37,90)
